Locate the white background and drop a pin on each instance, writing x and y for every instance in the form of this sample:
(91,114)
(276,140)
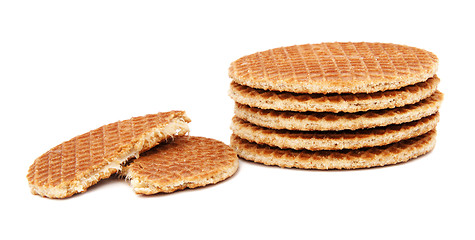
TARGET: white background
(67,67)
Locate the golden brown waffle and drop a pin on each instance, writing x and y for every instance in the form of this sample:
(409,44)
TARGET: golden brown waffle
(301,102)
(186,162)
(74,165)
(340,159)
(335,68)
(314,121)
(332,140)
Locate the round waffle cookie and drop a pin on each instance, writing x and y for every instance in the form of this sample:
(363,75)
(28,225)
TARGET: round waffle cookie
(185,162)
(333,140)
(73,166)
(335,68)
(324,121)
(301,102)
(398,152)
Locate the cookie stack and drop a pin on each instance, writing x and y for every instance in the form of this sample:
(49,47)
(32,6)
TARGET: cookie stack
(335,105)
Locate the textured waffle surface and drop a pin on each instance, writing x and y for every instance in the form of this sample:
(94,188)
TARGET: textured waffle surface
(315,121)
(74,165)
(342,159)
(333,140)
(288,101)
(335,68)
(185,162)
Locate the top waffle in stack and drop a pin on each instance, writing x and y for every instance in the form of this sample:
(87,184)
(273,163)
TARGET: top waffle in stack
(306,106)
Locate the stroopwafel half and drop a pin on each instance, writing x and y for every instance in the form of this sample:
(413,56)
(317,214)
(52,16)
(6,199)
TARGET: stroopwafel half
(185,162)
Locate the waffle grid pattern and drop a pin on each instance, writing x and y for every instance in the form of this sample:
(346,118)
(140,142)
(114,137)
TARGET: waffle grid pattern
(335,67)
(184,162)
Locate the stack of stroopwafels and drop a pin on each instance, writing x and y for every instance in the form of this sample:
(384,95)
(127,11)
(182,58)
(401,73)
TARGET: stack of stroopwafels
(335,105)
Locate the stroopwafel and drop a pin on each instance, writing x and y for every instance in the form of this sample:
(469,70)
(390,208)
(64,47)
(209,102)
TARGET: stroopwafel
(301,102)
(338,67)
(185,162)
